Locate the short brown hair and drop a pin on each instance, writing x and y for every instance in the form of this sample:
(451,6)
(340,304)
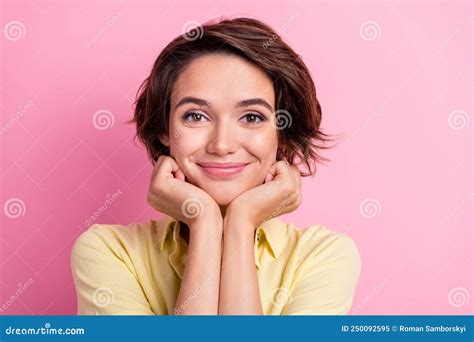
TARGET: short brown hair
(256,42)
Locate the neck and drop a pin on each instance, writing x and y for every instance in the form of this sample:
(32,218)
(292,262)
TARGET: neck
(223,210)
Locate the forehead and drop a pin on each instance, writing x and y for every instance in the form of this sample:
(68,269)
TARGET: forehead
(222,78)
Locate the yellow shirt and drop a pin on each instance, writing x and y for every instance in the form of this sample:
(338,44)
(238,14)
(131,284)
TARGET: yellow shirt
(137,269)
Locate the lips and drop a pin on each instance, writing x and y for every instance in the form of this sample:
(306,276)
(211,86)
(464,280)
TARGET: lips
(222,170)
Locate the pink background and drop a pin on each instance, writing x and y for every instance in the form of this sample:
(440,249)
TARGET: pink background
(400,184)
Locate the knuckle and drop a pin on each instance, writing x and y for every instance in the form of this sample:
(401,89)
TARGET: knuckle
(298,199)
(149,199)
(287,187)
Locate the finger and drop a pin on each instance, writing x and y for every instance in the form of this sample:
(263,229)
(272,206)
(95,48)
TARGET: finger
(282,169)
(168,167)
(180,175)
(297,174)
(157,165)
(289,175)
(268,178)
(271,173)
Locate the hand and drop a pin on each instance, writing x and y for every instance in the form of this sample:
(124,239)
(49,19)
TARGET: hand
(170,194)
(280,194)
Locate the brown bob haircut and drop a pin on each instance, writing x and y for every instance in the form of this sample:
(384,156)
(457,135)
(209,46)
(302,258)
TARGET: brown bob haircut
(256,42)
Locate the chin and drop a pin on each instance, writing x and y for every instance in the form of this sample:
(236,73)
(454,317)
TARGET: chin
(222,197)
(223,192)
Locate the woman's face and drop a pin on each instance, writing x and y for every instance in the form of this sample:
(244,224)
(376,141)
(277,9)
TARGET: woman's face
(220,112)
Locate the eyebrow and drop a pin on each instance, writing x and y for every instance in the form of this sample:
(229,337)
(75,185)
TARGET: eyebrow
(243,103)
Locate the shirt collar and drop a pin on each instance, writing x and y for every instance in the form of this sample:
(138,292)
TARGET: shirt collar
(164,227)
(271,231)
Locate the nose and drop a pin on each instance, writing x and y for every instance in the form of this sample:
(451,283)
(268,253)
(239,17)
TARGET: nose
(222,139)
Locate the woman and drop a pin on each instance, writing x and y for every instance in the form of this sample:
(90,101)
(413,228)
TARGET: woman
(227,113)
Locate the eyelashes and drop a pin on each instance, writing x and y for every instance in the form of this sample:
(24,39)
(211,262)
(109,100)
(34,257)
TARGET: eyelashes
(191,116)
(256,116)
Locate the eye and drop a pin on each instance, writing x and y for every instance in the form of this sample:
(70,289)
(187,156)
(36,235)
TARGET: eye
(193,117)
(254,118)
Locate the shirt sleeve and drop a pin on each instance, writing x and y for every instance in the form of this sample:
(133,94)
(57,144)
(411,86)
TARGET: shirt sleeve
(105,285)
(327,281)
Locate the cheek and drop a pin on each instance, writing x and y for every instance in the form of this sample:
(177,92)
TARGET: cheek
(184,146)
(264,146)
(185,141)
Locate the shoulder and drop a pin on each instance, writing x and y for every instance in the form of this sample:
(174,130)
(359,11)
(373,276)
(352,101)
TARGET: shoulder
(321,239)
(326,271)
(99,241)
(317,244)
(119,240)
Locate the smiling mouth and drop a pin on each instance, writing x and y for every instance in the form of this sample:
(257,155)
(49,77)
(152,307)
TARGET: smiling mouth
(222,170)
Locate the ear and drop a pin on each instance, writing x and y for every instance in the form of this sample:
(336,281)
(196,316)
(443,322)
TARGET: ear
(164,139)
